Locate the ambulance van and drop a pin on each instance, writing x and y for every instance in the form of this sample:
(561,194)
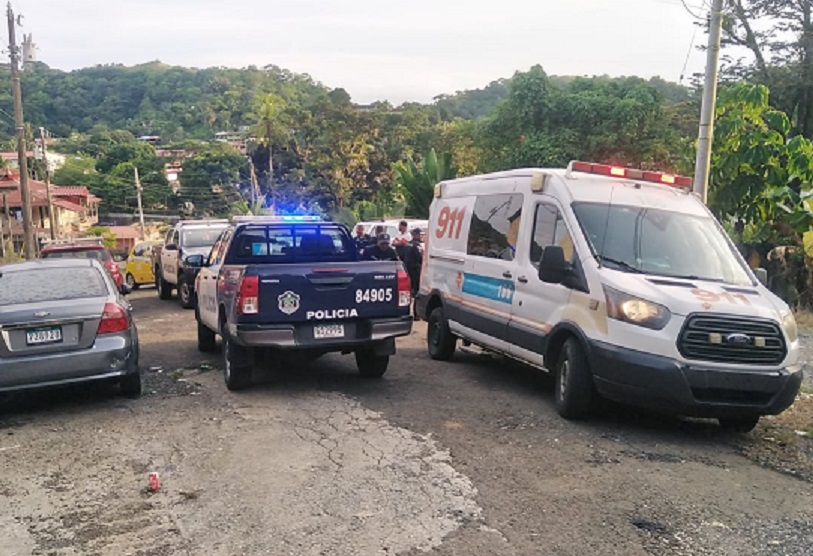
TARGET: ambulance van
(618,281)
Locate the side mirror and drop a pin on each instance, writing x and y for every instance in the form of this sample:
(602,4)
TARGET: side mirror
(553,268)
(125,289)
(762,276)
(195,261)
(171,247)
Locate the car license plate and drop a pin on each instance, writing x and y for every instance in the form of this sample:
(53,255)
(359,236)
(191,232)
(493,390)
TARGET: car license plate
(324,331)
(38,336)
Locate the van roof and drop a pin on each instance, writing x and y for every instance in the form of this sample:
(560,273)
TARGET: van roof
(579,187)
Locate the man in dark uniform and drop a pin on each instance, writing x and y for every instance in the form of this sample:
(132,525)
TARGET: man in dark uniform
(381,251)
(362,238)
(413,261)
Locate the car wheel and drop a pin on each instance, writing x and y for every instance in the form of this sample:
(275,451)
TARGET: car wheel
(739,424)
(185,295)
(371,365)
(207,341)
(237,364)
(131,282)
(573,390)
(440,341)
(130,385)
(164,288)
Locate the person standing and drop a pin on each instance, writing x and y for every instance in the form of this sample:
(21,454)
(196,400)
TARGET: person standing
(362,238)
(413,262)
(402,238)
(381,251)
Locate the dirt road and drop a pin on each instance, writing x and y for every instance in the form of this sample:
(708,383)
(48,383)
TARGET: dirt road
(462,458)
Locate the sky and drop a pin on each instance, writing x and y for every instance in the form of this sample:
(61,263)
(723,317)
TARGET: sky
(376,49)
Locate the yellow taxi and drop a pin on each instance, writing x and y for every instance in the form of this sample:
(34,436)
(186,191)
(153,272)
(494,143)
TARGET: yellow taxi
(138,269)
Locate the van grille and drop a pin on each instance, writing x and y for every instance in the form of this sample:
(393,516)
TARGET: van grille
(714,338)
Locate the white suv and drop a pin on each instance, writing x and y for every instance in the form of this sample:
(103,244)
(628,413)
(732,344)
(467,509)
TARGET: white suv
(620,281)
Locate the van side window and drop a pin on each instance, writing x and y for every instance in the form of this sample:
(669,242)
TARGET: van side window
(139,250)
(495,226)
(550,229)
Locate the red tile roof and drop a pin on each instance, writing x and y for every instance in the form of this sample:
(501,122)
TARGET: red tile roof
(125,232)
(62,203)
(10,185)
(70,191)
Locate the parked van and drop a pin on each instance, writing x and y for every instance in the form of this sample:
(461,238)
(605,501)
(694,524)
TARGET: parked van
(619,281)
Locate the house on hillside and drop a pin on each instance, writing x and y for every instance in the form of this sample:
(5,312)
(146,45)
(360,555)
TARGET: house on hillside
(75,208)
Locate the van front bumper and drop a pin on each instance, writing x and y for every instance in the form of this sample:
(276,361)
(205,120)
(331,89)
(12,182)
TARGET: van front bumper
(692,390)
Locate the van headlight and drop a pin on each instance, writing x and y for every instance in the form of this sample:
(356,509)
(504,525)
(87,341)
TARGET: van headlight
(626,308)
(789,324)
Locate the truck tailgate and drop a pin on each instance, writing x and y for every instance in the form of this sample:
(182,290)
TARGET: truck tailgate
(291,293)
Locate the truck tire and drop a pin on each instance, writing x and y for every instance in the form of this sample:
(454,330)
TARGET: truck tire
(440,342)
(207,340)
(164,287)
(370,364)
(573,390)
(185,295)
(237,364)
(745,423)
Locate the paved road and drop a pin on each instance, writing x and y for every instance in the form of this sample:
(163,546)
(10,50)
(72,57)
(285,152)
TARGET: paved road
(460,458)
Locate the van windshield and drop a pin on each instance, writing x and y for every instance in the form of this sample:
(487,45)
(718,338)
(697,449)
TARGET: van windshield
(660,242)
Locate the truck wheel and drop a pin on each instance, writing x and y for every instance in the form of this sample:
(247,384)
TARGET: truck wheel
(237,364)
(573,390)
(371,365)
(739,424)
(440,341)
(207,342)
(164,288)
(185,295)
(130,279)
(130,385)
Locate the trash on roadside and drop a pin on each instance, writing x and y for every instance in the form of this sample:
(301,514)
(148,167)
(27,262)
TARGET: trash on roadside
(802,433)
(154,482)
(156,369)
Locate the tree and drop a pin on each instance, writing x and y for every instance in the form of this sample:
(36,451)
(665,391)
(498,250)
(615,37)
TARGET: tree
(270,128)
(211,180)
(417,182)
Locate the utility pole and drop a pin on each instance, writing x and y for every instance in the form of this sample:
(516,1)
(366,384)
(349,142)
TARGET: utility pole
(25,194)
(140,208)
(52,220)
(705,137)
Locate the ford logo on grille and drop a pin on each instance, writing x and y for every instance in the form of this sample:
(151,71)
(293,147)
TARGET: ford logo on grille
(738,339)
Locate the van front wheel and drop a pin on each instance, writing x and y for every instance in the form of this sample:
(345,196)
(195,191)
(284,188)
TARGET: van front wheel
(440,342)
(574,382)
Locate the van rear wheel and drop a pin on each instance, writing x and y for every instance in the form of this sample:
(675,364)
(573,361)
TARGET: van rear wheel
(440,342)
(739,424)
(573,391)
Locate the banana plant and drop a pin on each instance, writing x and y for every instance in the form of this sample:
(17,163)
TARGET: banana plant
(417,181)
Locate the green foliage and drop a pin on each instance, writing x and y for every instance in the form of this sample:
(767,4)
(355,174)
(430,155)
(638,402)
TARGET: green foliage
(108,237)
(417,182)
(209,183)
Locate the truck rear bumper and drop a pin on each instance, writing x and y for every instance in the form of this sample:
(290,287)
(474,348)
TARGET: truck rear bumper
(302,336)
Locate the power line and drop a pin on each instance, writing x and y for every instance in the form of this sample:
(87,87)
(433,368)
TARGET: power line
(688,55)
(690,12)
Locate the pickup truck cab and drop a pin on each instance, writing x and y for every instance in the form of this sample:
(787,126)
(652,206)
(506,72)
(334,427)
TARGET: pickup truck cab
(295,284)
(190,238)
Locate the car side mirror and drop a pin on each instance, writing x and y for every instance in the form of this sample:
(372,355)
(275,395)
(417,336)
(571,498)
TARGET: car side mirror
(762,276)
(195,261)
(125,289)
(553,268)
(171,247)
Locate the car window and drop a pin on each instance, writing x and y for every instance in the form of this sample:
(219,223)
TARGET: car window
(282,244)
(495,226)
(51,284)
(139,250)
(96,254)
(550,229)
(203,237)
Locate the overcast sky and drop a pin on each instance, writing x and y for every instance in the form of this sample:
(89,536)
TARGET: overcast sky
(376,49)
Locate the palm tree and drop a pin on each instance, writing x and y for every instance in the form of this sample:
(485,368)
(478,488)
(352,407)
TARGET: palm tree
(417,182)
(270,127)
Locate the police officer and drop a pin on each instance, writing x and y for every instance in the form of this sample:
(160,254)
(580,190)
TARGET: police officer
(381,251)
(413,261)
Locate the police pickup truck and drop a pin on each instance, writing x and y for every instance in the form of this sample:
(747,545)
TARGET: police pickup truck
(295,284)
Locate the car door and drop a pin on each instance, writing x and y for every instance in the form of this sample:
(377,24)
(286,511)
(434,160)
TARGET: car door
(169,257)
(537,305)
(138,264)
(487,283)
(206,285)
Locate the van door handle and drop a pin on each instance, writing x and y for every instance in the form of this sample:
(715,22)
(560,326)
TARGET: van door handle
(507,274)
(523,279)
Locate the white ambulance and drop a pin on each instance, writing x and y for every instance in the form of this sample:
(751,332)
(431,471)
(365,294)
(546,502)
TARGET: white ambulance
(618,281)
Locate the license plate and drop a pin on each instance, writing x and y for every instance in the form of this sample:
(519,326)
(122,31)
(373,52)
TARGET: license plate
(40,336)
(324,331)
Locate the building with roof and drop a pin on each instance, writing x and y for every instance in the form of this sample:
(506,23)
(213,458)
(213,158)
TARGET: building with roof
(75,208)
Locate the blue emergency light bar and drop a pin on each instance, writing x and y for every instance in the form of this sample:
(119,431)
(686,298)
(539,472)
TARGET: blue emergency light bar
(277,219)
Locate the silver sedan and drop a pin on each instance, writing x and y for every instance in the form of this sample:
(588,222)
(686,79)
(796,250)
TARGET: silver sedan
(64,321)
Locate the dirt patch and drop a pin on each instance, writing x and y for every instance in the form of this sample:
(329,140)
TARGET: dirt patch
(785,442)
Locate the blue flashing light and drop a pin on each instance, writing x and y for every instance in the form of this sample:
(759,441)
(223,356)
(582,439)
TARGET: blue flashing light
(301,218)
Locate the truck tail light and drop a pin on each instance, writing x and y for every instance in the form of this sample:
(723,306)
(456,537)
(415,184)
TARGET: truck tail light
(114,319)
(248,298)
(404,289)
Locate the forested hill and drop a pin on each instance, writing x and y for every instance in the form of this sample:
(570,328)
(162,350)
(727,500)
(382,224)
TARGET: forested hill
(182,103)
